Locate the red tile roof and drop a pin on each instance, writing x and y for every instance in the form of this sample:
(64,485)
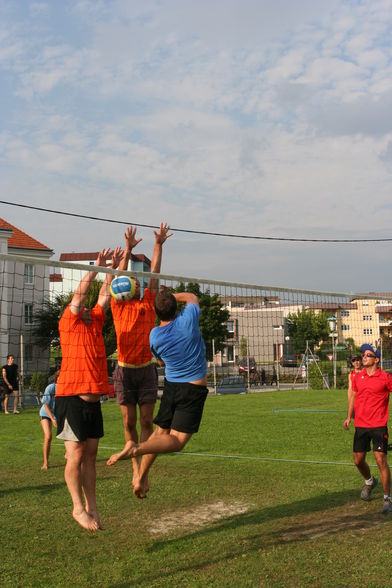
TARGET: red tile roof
(89,256)
(92,256)
(21,240)
(55,278)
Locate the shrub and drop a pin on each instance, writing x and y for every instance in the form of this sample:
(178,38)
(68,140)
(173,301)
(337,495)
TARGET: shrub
(38,381)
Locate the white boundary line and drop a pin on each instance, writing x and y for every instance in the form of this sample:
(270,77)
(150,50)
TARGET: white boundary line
(244,457)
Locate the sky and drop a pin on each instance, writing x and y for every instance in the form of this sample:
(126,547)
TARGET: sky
(245,117)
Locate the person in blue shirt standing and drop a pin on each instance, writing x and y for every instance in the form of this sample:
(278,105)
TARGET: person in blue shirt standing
(176,343)
(48,419)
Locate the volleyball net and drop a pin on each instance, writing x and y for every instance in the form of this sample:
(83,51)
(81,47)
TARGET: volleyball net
(256,336)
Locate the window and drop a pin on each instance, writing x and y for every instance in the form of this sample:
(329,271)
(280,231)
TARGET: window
(28,273)
(28,314)
(365,303)
(28,352)
(345,327)
(367,317)
(344,313)
(368,331)
(230,353)
(230,326)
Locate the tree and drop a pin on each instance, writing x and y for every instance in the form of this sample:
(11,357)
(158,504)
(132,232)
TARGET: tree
(306,325)
(46,320)
(213,317)
(243,347)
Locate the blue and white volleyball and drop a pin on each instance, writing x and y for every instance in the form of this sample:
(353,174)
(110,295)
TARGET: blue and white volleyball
(123,288)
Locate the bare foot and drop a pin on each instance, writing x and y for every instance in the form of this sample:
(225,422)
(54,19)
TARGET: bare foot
(44,467)
(124,454)
(140,488)
(113,458)
(95,516)
(86,521)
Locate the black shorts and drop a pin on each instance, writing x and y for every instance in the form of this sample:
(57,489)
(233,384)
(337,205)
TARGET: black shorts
(362,438)
(181,407)
(78,420)
(136,385)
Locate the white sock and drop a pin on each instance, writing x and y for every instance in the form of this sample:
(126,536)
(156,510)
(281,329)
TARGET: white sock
(386,497)
(369,482)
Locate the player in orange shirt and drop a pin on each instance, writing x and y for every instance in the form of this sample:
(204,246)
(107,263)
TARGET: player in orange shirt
(83,378)
(135,377)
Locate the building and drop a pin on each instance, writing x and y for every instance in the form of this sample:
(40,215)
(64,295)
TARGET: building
(64,280)
(23,287)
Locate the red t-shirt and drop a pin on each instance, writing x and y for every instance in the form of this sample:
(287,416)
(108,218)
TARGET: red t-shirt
(133,321)
(371,399)
(83,365)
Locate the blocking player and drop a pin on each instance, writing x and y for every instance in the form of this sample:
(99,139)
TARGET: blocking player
(135,377)
(82,380)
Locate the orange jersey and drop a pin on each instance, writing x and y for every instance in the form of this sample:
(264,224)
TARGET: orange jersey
(133,321)
(83,366)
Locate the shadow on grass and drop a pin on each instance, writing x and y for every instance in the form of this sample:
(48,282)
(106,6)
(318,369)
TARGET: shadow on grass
(323,524)
(316,504)
(44,488)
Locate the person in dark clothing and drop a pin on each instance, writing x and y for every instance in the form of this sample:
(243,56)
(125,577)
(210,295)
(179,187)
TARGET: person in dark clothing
(11,378)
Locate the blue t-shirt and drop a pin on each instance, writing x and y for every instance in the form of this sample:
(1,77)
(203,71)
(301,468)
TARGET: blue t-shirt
(181,347)
(48,398)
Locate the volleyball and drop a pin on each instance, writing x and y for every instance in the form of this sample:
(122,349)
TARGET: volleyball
(123,288)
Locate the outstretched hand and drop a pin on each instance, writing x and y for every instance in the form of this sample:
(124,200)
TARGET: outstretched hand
(162,234)
(103,257)
(116,257)
(130,238)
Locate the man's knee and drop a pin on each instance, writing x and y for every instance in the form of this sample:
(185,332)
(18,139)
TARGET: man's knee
(359,458)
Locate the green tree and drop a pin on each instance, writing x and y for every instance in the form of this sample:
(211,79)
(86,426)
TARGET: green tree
(306,325)
(243,347)
(46,320)
(213,317)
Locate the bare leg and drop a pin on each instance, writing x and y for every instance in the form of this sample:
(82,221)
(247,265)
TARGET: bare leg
(361,463)
(161,441)
(16,398)
(146,430)
(89,477)
(6,397)
(47,429)
(385,473)
(73,478)
(129,415)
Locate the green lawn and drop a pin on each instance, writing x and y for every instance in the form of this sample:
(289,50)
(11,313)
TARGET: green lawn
(264,495)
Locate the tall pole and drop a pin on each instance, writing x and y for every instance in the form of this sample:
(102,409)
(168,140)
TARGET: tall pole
(214,364)
(21,372)
(334,359)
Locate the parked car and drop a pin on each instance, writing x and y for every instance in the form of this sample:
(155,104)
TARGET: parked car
(231,385)
(312,358)
(289,361)
(243,365)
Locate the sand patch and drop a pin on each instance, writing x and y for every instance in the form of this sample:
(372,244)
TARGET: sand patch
(199,516)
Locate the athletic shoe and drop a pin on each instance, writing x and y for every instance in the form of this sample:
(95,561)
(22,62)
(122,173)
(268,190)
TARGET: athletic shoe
(368,489)
(387,507)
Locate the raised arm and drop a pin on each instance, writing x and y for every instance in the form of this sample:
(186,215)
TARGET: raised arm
(156,261)
(104,293)
(130,243)
(79,298)
(186,297)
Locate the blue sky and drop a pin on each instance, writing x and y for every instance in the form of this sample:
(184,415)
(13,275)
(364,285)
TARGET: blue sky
(247,117)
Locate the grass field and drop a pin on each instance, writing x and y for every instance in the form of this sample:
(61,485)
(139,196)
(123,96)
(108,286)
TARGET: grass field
(264,495)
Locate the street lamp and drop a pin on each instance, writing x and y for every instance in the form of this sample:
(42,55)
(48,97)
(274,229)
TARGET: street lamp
(332,329)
